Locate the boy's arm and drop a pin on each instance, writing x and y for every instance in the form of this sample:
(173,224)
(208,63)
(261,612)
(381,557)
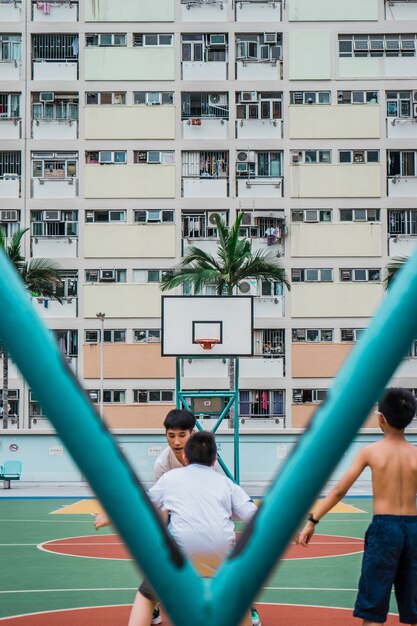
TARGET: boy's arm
(337,493)
(100,520)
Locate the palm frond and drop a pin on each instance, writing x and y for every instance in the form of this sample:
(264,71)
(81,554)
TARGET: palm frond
(393,267)
(196,277)
(43,276)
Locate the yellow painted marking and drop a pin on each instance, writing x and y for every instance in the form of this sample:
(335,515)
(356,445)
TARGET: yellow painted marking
(341,507)
(83,507)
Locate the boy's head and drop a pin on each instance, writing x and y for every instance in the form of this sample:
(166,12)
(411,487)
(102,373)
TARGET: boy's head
(398,406)
(179,425)
(201,448)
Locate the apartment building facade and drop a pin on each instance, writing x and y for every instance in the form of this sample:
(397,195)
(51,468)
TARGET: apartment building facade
(125,127)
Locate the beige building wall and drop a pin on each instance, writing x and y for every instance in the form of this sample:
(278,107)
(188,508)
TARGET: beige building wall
(335,181)
(122,300)
(128,361)
(309,55)
(351,67)
(332,10)
(129,11)
(334,121)
(302,414)
(129,241)
(129,122)
(129,181)
(117,64)
(336,239)
(335,299)
(136,415)
(321,360)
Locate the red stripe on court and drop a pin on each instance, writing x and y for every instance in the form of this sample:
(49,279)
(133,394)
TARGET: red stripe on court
(118,616)
(111,547)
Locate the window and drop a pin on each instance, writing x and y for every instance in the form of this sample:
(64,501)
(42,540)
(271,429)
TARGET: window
(271,288)
(148,276)
(9,105)
(62,107)
(324,275)
(259,48)
(302,396)
(310,335)
(114,396)
(155,157)
(270,342)
(205,164)
(262,404)
(105,39)
(104,216)
(310,97)
(153,97)
(147,335)
(357,97)
(264,105)
(153,395)
(201,224)
(109,336)
(399,104)
(360,275)
(402,221)
(206,48)
(350,334)
(54,48)
(154,216)
(107,157)
(263,165)
(358,156)
(13,402)
(10,48)
(202,104)
(359,215)
(54,165)
(69,285)
(9,222)
(152,39)
(377,45)
(105,97)
(311,215)
(312,156)
(67,341)
(10,164)
(401,163)
(54,223)
(105,276)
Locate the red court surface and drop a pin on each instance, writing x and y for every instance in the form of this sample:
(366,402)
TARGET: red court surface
(271,615)
(111,547)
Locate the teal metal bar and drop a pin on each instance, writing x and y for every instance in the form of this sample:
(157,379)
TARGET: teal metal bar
(177,382)
(38,358)
(359,384)
(236,447)
(223,414)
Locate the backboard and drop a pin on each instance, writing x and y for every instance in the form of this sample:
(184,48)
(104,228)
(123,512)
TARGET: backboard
(228,320)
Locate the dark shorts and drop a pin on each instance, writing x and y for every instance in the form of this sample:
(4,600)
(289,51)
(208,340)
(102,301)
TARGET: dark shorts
(389,559)
(146,590)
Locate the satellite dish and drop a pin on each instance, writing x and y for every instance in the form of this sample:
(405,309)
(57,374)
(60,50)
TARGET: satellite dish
(244,287)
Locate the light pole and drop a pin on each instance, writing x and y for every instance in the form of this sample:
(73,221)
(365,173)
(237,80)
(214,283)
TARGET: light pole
(101,317)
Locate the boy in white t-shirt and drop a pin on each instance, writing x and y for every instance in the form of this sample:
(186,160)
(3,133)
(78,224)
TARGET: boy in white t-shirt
(200,503)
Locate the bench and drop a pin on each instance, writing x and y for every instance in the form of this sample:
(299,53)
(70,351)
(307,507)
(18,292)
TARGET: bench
(11,470)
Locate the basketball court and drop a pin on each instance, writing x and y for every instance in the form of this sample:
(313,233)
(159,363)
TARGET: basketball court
(57,571)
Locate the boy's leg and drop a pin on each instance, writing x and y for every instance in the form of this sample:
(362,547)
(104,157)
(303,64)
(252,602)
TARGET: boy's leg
(247,620)
(141,613)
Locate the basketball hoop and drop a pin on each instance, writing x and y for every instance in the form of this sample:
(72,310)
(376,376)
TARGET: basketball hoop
(207,344)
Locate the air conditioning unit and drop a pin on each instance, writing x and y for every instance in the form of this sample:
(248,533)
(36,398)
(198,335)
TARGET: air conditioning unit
(246,156)
(415,109)
(270,38)
(89,216)
(311,215)
(211,217)
(154,156)
(46,96)
(217,40)
(52,216)
(249,96)
(247,219)
(92,336)
(105,156)
(359,157)
(295,157)
(108,275)
(214,98)
(9,216)
(297,396)
(248,287)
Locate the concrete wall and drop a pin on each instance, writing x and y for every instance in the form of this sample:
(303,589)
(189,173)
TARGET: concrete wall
(318,121)
(129,122)
(122,300)
(332,10)
(129,241)
(321,360)
(310,54)
(128,361)
(336,240)
(129,181)
(335,181)
(335,299)
(153,63)
(129,11)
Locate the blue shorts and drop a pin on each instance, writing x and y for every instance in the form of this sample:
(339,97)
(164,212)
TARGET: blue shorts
(389,559)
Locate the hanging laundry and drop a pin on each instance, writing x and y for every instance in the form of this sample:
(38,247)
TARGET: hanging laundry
(47,8)
(264,400)
(39,5)
(75,47)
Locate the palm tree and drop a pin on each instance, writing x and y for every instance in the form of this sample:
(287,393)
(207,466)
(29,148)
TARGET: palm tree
(38,275)
(234,263)
(393,267)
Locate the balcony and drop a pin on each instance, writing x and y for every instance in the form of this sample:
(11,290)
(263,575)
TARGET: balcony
(204,11)
(401,127)
(11,11)
(54,247)
(402,245)
(57,11)
(204,70)
(54,187)
(268,307)
(55,70)
(54,129)
(258,11)
(9,69)
(402,186)
(257,70)
(129,11)
(10,186)
(205,187)
(400,10)
(260,187)
(10,127)
(205,128)
(52,309)
(259,129)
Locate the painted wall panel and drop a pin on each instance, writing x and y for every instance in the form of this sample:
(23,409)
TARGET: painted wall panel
(129,181)
(335,299)
(129,122)
(122,300)
(128,361)
(302,414)
(129,241)
(334,121)
(129,63)
(309,55)
(321,360)
(335,181)
(129,11)
(336,240)
(333,10)
(136,415)
(401,11)
(361,67)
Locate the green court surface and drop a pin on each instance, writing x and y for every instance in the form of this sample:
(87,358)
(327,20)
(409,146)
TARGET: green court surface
(81,572)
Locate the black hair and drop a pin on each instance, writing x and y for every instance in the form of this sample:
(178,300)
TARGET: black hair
(178,419)
(398,406)
(201,448)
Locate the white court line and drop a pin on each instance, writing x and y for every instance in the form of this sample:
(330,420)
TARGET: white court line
(46,521)
(68,590)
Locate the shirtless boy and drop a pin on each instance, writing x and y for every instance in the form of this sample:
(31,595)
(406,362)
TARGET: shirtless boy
(390,556)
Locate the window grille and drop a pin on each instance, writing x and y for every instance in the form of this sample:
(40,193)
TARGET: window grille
(60,47)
